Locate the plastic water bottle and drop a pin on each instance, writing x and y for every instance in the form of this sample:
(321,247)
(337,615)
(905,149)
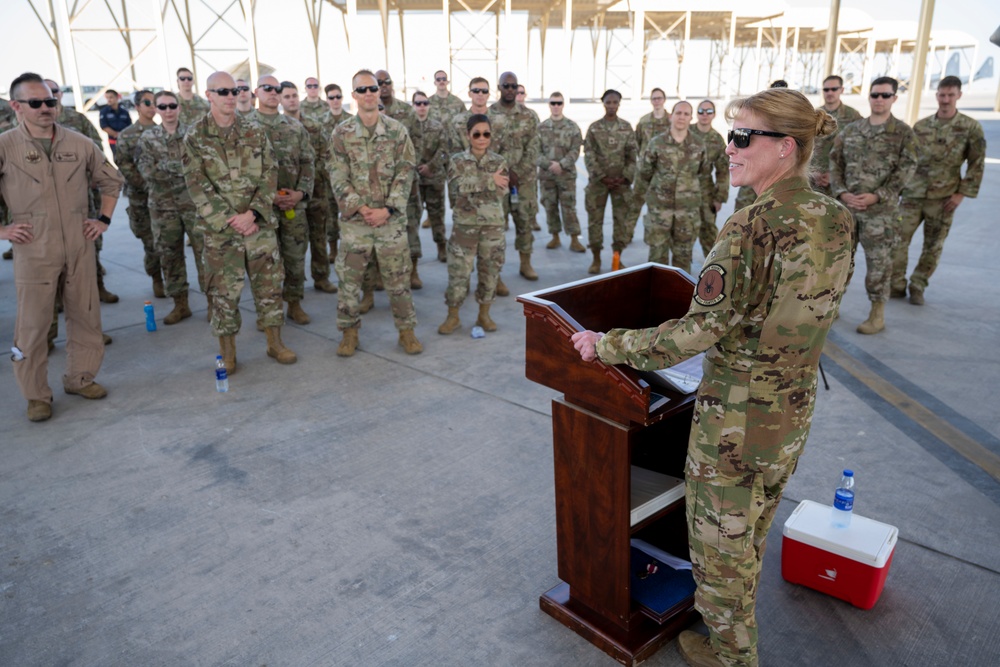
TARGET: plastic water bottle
(478,332)
(221,376)
(514,199)
(843,501)
(150,318)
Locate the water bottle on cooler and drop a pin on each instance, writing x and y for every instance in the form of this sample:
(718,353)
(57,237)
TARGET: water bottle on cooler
(843,501)
(221,376)
(150,317)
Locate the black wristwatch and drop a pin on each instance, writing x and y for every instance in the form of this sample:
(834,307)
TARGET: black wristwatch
(257,217)
(105,219)
(391,210)
(305,196)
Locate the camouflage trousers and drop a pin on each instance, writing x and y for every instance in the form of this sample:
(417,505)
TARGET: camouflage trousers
(432,195)
(743,448)
(227,257)
(293,239)
(413,208)
(333,222)
(937,224)
(169,226)
(524,213)
(745,197)
(560,192)
(141,226)
(595,200)
(318,219)
(669,231)
(358,244)
(877,230)
(484,245)
(707,231)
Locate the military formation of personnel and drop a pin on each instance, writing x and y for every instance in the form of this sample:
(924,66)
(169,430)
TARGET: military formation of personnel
(254,176)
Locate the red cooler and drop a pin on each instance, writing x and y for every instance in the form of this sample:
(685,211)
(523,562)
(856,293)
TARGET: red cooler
(848,563)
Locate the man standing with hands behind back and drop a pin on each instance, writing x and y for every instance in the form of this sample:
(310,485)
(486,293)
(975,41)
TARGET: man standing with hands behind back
(45,174)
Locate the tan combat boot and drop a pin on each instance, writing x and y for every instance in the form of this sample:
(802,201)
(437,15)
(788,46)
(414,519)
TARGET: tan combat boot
(349,344)
(875,321)
(484,320)
(575,245)
(296,314)
(367,301)
(158,290)
(103,294)
(276,349)
(415,282)
(595,266)
(451,323)
(442,252)
(227,348)
(39,411)
(916,295)
(526,271)
(181,310)
(697,650)
(554,243)
(409,342)
(324,285)
(502,289)
(426,224)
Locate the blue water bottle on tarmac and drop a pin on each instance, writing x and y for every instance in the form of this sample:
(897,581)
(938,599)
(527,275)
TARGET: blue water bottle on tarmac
(221,376)
(150,318)
(843,501)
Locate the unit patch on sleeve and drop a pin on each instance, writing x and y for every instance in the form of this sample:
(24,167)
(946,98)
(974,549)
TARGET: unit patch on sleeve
(711,287)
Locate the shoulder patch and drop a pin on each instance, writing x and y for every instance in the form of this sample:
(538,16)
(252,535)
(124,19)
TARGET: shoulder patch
(711,287)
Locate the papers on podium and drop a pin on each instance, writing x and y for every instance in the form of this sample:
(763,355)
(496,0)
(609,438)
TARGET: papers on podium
(683,377)
(652,491)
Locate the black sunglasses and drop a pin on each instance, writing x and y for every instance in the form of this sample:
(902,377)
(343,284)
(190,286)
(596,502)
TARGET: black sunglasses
(555,103)
(481,91)
(50,102)
(740,137)
(146,103)
(509,86)
(312,85)
(484,135)
(884,96)
(55,91)
(243,89)
(268,88)
(334,97)
(422,103)
(164,107)
(440,78)
(706,112)
(831,90)
(384,82)
(224,92)
(185,78)
(361,90)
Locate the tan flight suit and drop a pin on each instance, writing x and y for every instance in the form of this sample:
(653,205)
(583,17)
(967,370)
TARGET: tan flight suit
(50,193)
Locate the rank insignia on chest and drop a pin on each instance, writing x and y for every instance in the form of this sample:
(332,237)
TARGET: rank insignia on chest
(711,287)
(32,157)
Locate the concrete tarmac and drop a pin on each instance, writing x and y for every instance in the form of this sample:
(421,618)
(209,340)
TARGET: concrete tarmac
(397,510)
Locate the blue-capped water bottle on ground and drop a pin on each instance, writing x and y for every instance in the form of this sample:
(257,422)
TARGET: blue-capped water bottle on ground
(221,376)
(843,501)
(150,317)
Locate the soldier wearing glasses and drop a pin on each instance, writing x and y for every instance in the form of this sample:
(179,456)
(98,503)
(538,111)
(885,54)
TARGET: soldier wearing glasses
(313,106)
(245,98)
(334,116)
(45,174)
(717,193)
(444,105)
(560,141)
(871,161)
(432,161)
(232,176)
(192,106)
(833,87)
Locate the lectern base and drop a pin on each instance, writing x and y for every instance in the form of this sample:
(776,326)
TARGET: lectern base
(629,647)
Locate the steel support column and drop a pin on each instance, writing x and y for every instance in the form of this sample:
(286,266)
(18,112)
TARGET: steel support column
(65,36)
(251,37)
(734,85)
(832,46)
(919,62)
(638,50)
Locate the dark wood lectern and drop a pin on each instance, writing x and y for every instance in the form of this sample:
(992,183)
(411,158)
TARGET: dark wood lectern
(600,428)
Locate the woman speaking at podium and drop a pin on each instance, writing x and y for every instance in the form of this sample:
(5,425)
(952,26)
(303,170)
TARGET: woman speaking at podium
(766,297)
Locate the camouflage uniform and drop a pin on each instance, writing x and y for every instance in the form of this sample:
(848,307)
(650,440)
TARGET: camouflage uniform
(767,295)
(844,115)
(404,113)
(443,108)
(477,233)
(192,110)
(515,138)
(127,156)
(877,159)
(373,167)
(330,123)
(171,210)
(744,197)
(942,147)
(296,162)
(718,161)
(318,206)
(458,135)
(559,141)
(671,178)
(229,171)
(313,110)
(433,152)
(609,151)
(648,127)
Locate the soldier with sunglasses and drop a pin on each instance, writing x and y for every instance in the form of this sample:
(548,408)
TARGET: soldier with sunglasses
(833,87)
(192,106)
(334,116)
(444,104)
(432,160)
(717,193)
(560,141)
(313,106)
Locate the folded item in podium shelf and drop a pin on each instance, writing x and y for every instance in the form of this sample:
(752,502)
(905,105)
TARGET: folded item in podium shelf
(651,492)
(658,588)
(656,401)
(683,377)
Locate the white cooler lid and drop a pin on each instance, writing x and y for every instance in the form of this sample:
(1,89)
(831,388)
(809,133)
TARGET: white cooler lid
(865,540)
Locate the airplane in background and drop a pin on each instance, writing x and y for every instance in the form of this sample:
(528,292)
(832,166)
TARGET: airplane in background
(954,68)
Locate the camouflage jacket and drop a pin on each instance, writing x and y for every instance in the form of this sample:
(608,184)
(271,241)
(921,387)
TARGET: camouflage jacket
(559,141)
(372,167)
(671,174)
(229,171)
(192,110)
(610,150)
(319,139)
(404,113)
(879,159)
(844,115)
(475,197)
(76,121)
(458,136)
(8,118)
(433,151)
(293,152)
(718,161)
(313,110)
(443,108)
(942,147)
(648,127)
(161,162)
(127,155)
(515,137)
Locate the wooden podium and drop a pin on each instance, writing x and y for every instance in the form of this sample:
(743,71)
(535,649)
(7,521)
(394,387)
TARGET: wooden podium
(600,428)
